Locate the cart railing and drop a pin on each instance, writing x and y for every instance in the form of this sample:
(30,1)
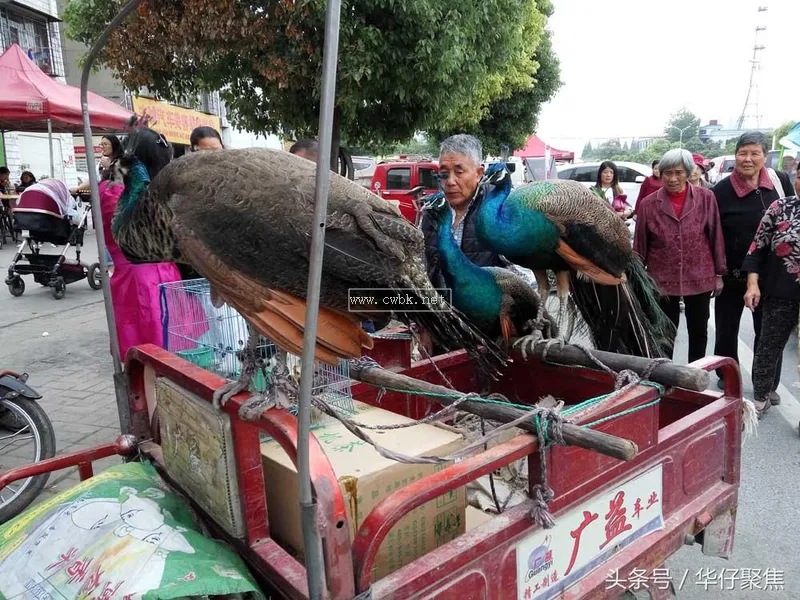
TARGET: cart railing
(347,566)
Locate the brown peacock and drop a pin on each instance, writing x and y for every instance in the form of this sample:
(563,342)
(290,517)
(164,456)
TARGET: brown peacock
(243,218)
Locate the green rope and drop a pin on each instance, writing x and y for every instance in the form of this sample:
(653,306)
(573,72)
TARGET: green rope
(537,419)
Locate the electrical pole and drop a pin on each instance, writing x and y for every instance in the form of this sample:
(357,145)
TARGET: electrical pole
(750,109)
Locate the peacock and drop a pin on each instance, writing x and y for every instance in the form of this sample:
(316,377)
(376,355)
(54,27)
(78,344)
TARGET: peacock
(242,219)
(495,299)
(562,227)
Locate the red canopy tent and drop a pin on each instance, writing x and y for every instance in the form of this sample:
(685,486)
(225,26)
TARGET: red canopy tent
(535,148)
(31,100)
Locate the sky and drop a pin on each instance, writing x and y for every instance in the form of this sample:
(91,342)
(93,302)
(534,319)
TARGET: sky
(627,65)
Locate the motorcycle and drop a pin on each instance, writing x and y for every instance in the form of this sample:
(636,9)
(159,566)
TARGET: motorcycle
(26,435)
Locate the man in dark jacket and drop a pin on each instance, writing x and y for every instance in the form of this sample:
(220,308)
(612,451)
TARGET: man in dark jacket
(460,173)
(742,199)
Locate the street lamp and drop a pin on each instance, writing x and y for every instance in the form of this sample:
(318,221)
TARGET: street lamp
(681,132)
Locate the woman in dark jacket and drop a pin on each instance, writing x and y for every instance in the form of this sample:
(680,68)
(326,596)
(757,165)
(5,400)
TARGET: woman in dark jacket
(679,237)
(773,282)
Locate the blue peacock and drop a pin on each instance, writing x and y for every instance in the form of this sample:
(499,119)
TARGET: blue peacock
(562,227)
(496,300)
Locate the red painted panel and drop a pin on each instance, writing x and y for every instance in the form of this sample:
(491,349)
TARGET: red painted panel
(704,461)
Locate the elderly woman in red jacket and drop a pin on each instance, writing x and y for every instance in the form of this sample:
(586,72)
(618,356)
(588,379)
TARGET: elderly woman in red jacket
(679,237)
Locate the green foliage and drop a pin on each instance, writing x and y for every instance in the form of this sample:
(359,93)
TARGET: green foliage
(783,130)
(512,118)
(613,150)
(404,66)
(684,121)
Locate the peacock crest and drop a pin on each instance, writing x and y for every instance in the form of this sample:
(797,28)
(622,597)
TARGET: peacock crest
(435,203)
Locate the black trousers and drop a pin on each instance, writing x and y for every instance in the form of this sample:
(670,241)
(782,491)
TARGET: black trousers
(728,309)
(780,318)
(696,313)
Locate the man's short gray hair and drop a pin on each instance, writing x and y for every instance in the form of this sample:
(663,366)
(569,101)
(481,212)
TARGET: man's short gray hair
(677,158)
(463,143)
(752,138)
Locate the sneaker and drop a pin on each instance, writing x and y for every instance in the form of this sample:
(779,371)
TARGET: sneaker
(682,305)
(774,398)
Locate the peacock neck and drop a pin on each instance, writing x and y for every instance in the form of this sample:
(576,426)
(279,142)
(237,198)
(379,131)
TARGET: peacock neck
(141,223)
(135,185)
(474,289)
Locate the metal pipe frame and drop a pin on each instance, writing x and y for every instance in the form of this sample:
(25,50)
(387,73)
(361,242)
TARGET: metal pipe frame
(91,166)
(315,568)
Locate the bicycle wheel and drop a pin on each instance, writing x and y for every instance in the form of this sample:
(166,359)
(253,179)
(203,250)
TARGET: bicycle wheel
(23,420)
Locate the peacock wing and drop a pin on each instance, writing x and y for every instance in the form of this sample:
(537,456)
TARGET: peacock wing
(595,241)
(255,207)
(275,313)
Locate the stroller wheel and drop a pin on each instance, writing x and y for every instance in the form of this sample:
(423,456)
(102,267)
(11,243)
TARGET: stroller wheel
(95,282)
(59,289)
(16,287)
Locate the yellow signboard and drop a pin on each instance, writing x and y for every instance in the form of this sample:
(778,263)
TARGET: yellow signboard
(174,122)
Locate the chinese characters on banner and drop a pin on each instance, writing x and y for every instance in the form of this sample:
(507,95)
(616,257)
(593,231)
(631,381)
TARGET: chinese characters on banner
(549,560)
(174,122)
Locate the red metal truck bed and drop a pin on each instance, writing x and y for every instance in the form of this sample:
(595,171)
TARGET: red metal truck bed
(689,453)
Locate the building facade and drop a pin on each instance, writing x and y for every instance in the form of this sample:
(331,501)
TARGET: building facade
(177,121)
(716,132)
(35,27)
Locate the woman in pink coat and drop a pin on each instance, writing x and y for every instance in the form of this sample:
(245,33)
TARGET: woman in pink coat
(134,288)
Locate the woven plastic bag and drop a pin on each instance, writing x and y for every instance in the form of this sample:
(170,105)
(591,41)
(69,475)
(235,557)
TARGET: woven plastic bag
(123,534)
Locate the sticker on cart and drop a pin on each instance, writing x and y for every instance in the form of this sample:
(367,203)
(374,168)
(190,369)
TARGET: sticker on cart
(550,560)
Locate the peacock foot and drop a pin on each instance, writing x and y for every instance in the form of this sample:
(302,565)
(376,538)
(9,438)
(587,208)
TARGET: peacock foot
(527,343)
(229,390)
(285,388)
(251,362)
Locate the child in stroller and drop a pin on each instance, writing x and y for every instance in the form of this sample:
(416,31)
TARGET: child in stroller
(47,213)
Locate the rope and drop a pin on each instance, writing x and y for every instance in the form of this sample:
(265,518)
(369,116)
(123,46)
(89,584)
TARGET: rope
(548,422)
(428,357)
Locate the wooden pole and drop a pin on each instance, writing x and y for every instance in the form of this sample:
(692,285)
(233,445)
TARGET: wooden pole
(574,435)
(667,374)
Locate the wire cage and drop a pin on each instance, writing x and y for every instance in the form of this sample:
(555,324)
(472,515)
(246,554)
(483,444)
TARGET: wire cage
(209,337)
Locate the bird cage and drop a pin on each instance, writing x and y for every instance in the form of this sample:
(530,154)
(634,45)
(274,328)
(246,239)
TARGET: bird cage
(209,337)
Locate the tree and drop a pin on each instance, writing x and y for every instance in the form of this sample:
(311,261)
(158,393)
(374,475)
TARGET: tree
(511,118)
(400,70)
(682,124)
(588,151)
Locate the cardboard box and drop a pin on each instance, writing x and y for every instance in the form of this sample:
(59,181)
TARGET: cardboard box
(366,478)
(475,517)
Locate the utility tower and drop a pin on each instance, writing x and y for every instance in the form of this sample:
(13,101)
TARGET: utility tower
(750,112)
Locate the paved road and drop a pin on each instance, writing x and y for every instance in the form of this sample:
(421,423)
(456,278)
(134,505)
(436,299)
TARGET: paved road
(72,369)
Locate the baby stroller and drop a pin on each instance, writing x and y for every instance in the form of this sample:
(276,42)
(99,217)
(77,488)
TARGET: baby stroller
(46,213)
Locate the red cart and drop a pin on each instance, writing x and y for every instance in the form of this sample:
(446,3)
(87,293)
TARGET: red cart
(614,519)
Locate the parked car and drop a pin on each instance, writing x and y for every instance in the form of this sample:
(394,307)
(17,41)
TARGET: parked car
(514,165)
(364,167)
(723,166)
(393,181)
(631,176)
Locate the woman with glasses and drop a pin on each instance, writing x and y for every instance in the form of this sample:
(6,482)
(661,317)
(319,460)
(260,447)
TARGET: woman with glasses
(111,148)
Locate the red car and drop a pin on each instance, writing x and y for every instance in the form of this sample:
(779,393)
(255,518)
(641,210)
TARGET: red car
(396,181)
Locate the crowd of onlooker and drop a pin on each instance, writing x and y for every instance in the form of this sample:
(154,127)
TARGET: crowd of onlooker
(737,242)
